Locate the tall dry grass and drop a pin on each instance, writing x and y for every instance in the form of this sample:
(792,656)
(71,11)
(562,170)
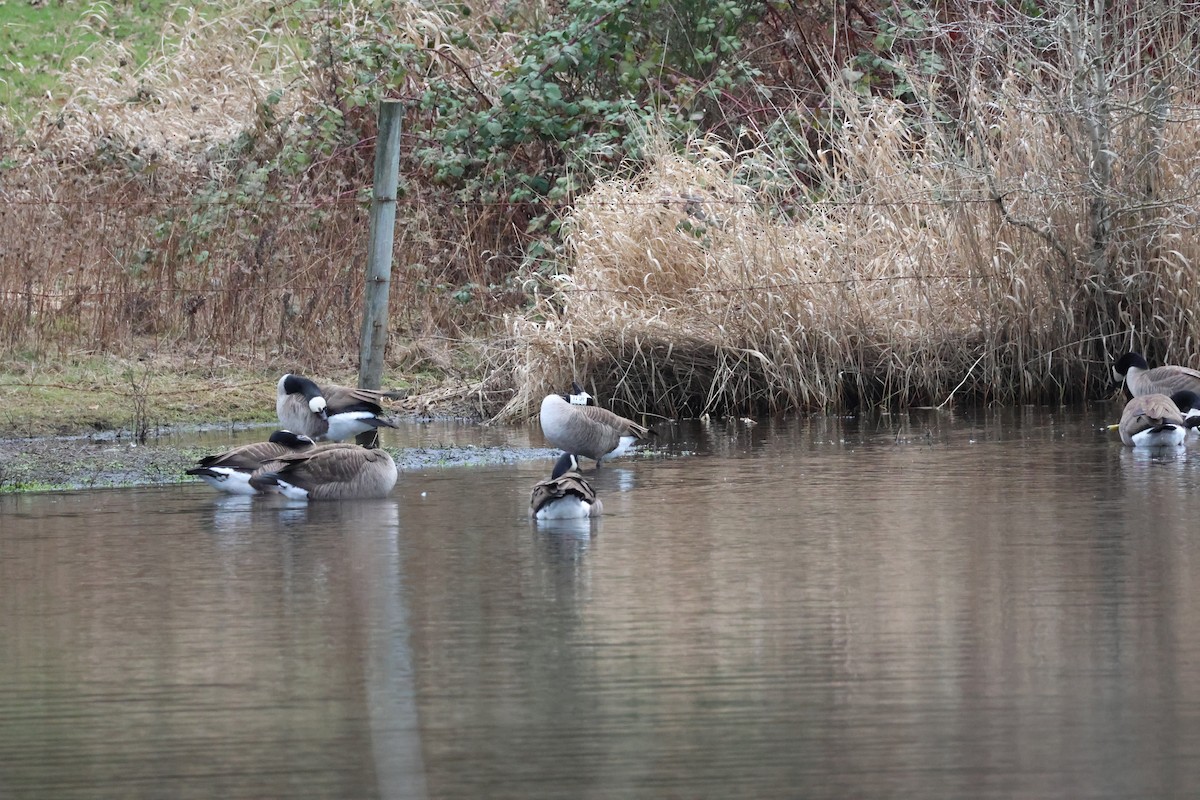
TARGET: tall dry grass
(943,263)
(1025,214)
(128,223)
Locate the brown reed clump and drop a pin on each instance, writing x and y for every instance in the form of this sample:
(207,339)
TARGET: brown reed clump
(934,267)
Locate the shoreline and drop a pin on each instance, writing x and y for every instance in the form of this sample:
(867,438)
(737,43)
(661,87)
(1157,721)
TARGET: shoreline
(113,459)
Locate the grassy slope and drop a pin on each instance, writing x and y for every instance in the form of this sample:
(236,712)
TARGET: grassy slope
(72,395)
(104,393)
(39,40)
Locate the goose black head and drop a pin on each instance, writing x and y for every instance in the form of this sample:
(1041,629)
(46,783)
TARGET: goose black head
(289,439)
(298,384)
(1126,363)
(567,462)
(578,397)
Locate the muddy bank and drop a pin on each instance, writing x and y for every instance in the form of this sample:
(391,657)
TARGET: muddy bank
(55,463)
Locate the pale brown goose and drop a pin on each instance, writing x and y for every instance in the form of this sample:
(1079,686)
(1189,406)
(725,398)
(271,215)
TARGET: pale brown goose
(570,424)
(328,413)
(1142,380)
(1153,420)
(565,494)
(230,471)
(330,472)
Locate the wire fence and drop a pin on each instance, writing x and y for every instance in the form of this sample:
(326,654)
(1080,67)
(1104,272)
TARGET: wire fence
(269,278)
(282,281)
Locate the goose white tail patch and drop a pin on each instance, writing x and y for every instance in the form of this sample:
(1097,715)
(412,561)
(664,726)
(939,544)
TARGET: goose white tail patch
(623,446)
(565,508)
(231,481)
(349,423)
(291,491)
(1166,436)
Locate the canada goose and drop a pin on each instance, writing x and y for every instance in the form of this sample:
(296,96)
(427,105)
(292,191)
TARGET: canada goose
(328,413)
(330,472)
(1142,380)
(570,424)
(230,471)
(565,494)
(1153,420)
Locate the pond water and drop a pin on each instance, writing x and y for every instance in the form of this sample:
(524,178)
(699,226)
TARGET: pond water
(985,604)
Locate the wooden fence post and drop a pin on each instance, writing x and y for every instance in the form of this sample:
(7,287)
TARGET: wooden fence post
(379,257)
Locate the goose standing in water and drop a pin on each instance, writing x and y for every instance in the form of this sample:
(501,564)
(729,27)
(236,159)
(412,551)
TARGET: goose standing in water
(570,424)
(1153,420)
(565,494)
(231,471)
(329,413)
(330,472)
(1143,380)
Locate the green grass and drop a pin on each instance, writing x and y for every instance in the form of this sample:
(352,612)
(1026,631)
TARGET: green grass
(39,40)
(99,393)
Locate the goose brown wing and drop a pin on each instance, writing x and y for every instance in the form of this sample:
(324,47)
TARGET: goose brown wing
(611,420)
(346,398)
(555,488)
(1172,378)
(1191,373)
(543,492)
(574,483)
(248,456)
(1150,410)
(328,463)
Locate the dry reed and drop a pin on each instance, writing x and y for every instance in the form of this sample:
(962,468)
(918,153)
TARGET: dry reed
(937,267)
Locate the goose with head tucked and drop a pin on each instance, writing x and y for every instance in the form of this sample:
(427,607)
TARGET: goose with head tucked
(330,472)
(231,471)
(1153,420)
(1141,379)
(328,413)
(571,423)
(565,494)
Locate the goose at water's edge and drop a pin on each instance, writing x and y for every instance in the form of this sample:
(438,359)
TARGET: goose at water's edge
(569,424)
(1153,420)
(565,494)
(327,413)
(1142,380)
(231,471)
(330,472)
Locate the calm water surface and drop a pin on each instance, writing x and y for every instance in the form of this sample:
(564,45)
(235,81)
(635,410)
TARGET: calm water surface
(985,605)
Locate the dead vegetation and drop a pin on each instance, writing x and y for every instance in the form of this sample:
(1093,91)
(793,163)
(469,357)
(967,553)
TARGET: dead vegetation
(144,215)
(935,269)
(995,234)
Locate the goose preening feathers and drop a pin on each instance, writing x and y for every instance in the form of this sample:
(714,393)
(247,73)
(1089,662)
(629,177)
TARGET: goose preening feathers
(330,472)
(328,413)
(570,424)
(565,494)
(230,471)
(1153,420)
(1142,380)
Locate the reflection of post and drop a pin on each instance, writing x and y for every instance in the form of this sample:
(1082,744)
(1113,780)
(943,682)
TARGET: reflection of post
(379,257)
(390,682)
